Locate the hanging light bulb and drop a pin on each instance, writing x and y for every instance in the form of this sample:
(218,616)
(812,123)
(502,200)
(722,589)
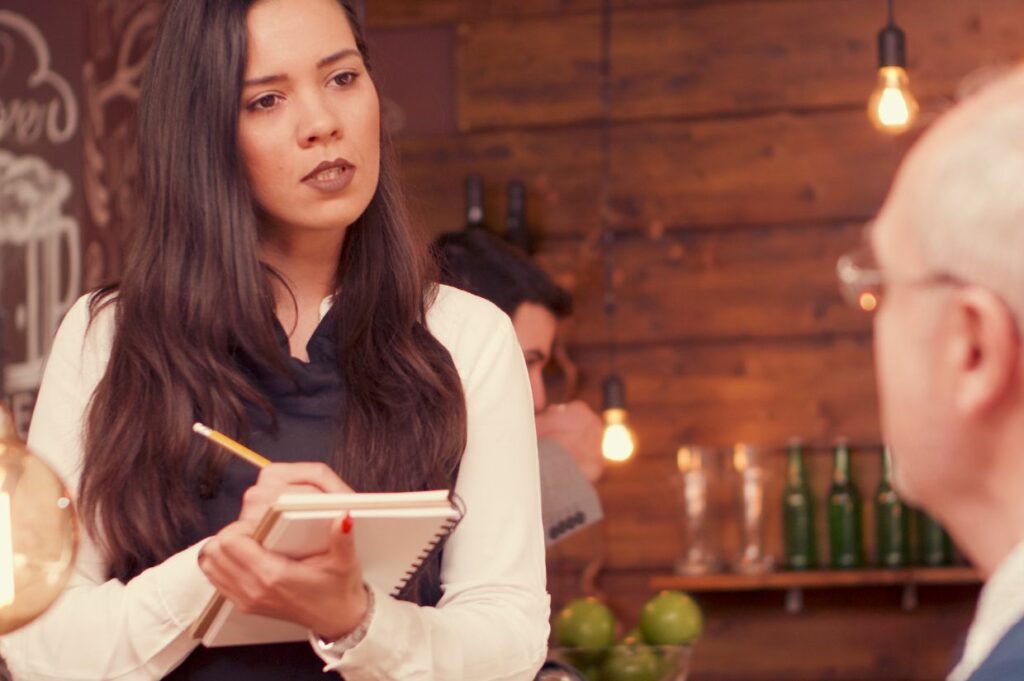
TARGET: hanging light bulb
(38,532)
(891,107)
(618,442)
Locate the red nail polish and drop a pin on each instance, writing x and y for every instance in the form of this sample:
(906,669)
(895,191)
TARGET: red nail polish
(346,524)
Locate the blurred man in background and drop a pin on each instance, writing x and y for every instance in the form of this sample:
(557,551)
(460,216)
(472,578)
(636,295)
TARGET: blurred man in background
(945,268)
(569,435)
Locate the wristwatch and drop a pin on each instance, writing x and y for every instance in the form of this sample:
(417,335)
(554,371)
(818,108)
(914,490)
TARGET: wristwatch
(353,637)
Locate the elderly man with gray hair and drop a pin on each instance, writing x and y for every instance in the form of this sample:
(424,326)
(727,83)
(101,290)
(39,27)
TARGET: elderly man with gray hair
(945,271)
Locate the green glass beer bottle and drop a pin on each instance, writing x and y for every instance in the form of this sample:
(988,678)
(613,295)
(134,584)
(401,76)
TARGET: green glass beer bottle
(934,546)
(892,521)
(798,513)
(846,544)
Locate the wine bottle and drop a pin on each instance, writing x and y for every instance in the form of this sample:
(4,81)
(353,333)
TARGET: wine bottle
(892,520)
(846,544)
(516,232)
(934,546)
(474,202)
(798,513)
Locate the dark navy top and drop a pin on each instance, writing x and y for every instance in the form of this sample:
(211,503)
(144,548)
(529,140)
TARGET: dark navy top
(307,406)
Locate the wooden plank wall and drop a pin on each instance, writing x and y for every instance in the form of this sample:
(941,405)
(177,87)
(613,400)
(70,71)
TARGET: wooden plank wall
(742,165)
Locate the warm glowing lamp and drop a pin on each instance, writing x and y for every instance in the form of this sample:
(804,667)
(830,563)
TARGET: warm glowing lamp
(868,301)
(618,442)
(891,107)
(38,532)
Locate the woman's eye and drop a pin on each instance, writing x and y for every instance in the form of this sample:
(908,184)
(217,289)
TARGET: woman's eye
(263,103)
(344,78)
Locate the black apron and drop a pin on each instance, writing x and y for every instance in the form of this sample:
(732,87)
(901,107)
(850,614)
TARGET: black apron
(307,406)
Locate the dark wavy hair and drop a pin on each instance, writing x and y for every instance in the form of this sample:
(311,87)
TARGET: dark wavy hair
(477,261)
(194,303)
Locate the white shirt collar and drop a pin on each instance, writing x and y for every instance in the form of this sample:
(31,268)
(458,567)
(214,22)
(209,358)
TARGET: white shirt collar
(325,305)
(1000,606)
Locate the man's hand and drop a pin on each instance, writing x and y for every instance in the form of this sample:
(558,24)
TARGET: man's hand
(577,428)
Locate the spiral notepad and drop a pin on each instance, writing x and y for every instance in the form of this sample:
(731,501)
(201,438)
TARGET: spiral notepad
(394,533)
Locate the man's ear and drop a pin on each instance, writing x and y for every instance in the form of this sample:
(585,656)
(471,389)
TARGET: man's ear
(983,351)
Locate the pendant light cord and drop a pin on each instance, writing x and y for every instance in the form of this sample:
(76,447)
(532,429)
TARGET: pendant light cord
(607,235)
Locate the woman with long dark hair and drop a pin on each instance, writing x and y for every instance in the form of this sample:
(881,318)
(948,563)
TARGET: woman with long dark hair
(274,290)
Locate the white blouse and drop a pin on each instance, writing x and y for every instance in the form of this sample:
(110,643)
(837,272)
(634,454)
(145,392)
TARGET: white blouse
(491,623)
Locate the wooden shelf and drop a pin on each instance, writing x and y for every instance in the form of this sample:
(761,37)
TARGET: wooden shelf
(817,579)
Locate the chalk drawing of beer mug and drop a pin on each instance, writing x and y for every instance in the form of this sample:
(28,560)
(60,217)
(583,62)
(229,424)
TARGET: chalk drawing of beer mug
(34,229)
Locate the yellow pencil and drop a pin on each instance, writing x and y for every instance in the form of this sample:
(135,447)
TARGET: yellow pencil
(236,448)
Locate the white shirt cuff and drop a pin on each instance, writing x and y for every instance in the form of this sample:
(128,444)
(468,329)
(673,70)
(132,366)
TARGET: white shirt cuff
(182,587)
(376,656)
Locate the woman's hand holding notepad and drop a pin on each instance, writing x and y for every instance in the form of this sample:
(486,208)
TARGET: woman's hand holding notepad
(305,512)
(393,533)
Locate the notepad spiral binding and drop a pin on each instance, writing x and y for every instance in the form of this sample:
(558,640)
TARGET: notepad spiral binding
(433,546)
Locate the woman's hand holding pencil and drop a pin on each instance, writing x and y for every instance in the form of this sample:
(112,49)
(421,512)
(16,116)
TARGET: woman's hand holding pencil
(325,593)
(275,479)
(287,478)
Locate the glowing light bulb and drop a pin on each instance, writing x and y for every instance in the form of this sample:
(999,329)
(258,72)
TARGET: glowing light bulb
(618,443)
(868,301)
(891,107)
(38,531)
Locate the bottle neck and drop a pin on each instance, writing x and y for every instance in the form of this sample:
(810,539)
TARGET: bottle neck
(795,466)
(515,218)
(474,201)
(516,196)
(886,480)
(841,466)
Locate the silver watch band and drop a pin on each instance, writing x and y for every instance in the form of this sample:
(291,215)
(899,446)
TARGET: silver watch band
(353,637)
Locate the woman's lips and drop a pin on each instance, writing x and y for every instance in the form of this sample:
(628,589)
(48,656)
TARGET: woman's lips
(331,177)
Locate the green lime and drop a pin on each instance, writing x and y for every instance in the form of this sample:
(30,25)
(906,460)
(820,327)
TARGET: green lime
(589,659)
(631,663)
(585,623)
(671,618)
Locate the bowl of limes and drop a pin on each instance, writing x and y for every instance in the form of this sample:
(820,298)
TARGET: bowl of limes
(658,649)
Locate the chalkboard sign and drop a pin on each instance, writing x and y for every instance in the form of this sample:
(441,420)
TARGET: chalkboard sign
(69,75)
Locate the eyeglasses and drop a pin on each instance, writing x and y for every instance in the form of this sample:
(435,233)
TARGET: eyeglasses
(862,283)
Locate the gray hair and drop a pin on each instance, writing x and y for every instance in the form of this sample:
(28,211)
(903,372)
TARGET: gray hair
(968,211)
